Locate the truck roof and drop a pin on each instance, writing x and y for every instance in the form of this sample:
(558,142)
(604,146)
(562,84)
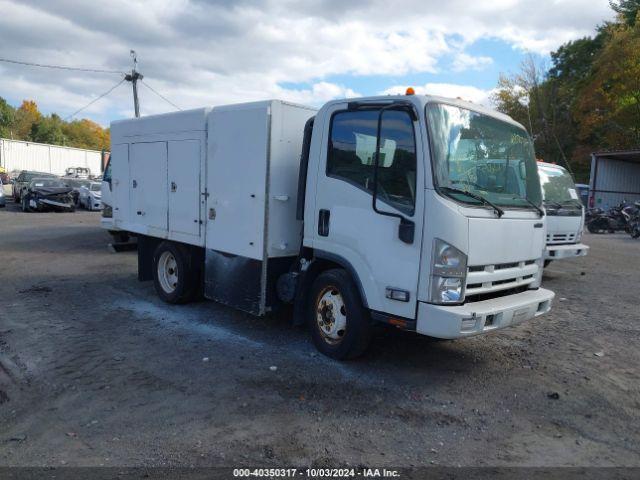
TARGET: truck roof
(422,100)
(195,119)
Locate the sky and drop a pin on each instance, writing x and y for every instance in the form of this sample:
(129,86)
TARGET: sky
(200,53)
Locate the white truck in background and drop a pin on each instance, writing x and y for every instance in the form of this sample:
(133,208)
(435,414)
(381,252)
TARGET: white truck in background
(565,214)
(405,210)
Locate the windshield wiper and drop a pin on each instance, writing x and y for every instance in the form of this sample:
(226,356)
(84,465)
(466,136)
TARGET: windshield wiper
(480,198)
(540,211)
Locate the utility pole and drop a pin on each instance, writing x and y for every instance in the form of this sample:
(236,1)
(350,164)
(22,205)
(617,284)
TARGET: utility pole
(133,77)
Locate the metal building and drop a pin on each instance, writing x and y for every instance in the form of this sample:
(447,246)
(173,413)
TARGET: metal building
(40,157)
(615,176)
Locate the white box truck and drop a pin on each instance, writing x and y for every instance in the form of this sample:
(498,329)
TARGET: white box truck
(400,209)
(565,214)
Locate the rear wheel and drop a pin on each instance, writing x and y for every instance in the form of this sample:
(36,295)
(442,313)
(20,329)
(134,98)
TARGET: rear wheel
(24,202)
(174,275)
(340,325)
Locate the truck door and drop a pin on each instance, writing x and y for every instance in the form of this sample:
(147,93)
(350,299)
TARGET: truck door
(148,176)
(184,187)
(347,227)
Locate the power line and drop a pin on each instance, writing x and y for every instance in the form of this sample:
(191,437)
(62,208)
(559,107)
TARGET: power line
(61,67)
(96,99)
(160,95)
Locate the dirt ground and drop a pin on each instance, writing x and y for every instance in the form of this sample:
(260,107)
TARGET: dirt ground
(95,370)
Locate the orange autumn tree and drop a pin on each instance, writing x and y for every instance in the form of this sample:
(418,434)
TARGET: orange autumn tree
(608,110)
(24,118)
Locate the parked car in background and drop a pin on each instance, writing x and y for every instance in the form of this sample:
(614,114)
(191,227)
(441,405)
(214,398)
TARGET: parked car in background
(3,200)
(47,194)
(5,184)
(77,185)
(91,196)
(23,180)
(77,172)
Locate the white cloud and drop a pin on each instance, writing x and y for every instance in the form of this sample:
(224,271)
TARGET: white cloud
(464,61)
(208,52)
(465,92)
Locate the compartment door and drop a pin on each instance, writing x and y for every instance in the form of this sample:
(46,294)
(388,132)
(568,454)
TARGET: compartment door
(119,183)
(148,185)
(184,187)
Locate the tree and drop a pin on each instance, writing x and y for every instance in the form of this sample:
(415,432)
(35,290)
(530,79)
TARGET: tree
(627,10)
(7,114)
(48,130)
(608,109)
(86,134)
(27,123)
(25,117)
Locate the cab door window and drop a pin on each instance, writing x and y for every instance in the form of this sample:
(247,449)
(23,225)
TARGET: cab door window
(352,145)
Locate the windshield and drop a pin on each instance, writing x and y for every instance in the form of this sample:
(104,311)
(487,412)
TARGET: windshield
(95,187)
(482,155)
(557,185)
(46,182)
(30,176)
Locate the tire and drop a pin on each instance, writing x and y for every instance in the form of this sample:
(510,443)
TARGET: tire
(24,203)
(174,275)
(348,335)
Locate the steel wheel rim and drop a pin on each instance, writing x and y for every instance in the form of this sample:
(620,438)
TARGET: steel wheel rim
(331,315)
(168,272)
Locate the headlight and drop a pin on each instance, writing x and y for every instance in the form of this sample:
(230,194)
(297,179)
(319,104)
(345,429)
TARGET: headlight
(449,271)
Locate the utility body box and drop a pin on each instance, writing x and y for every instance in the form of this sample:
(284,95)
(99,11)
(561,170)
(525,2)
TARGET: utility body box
(225,179)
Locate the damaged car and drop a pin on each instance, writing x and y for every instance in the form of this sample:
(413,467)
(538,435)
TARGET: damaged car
(47,194)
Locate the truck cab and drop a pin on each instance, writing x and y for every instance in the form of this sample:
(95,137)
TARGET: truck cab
(565,213)
(433,207)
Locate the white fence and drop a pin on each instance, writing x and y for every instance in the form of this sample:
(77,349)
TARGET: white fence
(40,157)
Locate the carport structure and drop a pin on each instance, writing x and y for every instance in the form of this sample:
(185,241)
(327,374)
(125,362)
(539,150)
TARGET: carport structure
(615,176)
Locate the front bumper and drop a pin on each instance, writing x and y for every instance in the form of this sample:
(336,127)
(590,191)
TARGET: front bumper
(558,252)
(482,317)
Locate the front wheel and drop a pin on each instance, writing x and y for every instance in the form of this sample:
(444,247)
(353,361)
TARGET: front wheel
(340,325)
(24,203)
(174,273)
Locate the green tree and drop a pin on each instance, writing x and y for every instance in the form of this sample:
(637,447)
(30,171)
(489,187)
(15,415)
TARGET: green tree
(48,130)
(627,10)
(7,114)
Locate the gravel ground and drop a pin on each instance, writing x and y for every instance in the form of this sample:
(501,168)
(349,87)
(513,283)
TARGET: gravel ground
(95,370)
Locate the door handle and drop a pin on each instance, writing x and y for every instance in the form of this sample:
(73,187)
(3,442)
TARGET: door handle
(323,222)
(173,186)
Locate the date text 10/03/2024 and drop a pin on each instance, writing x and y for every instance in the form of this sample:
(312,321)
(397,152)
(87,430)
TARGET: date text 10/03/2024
(315,472)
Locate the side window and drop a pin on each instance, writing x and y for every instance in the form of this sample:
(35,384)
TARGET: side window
(106,176)
(352,146)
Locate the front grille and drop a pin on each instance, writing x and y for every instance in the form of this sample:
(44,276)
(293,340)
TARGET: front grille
(502,277)
(558,238)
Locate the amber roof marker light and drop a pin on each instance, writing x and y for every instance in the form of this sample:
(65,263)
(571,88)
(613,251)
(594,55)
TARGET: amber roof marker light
(410,91)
